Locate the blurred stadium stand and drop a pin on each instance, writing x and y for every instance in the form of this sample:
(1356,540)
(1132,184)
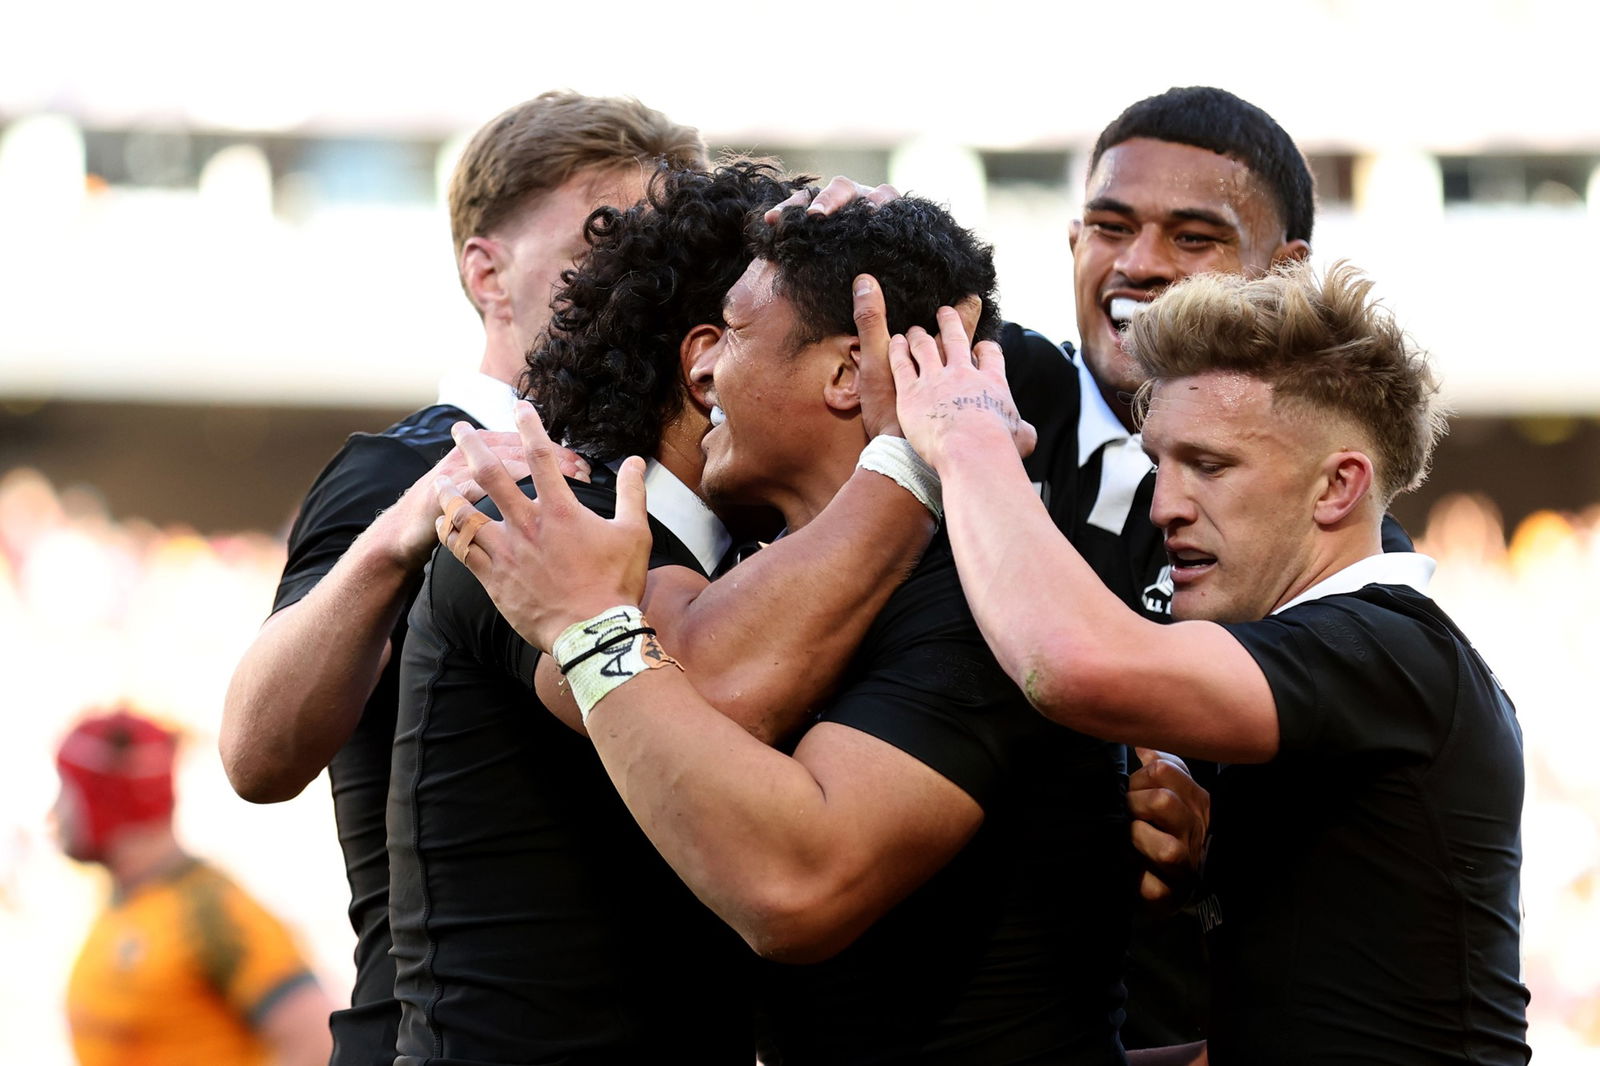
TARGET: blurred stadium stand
(197,301)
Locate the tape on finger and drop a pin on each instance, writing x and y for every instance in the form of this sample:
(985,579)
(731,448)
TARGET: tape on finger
(467,520)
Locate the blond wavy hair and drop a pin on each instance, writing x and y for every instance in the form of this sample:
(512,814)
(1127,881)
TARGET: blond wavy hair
(539,144)
(1320,340)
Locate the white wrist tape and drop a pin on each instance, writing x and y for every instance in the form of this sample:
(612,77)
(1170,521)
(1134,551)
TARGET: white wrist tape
(605,651)
(895,459)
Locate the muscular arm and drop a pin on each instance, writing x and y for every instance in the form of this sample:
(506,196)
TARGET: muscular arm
(1081,657)
(301,686)
(299,690)
(799,854)
(768,641)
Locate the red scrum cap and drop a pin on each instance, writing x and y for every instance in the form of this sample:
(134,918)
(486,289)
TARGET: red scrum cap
(117,770)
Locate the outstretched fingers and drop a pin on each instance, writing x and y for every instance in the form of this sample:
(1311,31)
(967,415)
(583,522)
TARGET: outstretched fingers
(831,197)
(543,458)
(872,320)
(924,349)
(875,380)
(461,527)
(466,522)
(988,358)
(487,469)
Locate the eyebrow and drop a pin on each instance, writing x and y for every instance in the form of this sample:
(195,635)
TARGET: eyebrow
(1106,203)
(1200,214)
(1182,214)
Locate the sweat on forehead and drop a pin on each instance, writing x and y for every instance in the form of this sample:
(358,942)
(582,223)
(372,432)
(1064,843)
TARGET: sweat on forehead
(923,260)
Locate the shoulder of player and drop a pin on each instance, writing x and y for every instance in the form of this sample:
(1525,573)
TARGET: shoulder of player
(383,465)
(1378,609)
(1034,359)
(428,427)
(927,614)
(399,453)
(1387,638)
(600,497)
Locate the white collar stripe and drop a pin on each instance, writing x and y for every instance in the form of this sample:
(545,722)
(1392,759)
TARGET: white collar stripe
(1097,424)
(1410,569)
(675,505)
(490,401)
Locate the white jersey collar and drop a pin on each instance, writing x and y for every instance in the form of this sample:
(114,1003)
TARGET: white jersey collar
(675,505)
(672,503)
(490,401)
(1097,424)
(1410,569)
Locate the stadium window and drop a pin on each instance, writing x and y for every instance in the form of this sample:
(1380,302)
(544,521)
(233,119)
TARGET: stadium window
(1026,168)
(1334,173)
(1516,179)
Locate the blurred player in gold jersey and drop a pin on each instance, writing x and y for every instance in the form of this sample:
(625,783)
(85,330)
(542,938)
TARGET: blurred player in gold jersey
(182,966)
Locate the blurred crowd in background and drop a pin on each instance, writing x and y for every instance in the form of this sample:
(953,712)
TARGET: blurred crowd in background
(95,611)
(226,220)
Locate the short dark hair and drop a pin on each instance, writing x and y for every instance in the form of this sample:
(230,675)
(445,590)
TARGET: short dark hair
(923,260)
(606,375)
(1215,119)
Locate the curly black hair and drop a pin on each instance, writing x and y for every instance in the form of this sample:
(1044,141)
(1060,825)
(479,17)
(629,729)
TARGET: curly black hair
(922,258)
(605,376)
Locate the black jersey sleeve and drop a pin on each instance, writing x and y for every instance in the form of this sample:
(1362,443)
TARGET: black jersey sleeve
(1044,384)
(368,475)
(1356,675)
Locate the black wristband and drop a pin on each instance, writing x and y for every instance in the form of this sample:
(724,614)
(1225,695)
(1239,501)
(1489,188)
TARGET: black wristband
(606,645)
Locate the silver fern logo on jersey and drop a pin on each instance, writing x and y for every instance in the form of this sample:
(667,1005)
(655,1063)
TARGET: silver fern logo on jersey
(1158,597)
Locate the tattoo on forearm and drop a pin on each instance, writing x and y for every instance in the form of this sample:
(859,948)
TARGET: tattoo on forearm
(984,401)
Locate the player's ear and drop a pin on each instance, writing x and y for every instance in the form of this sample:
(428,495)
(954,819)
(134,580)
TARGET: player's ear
(482,275)
(1291,252)
(1348,480)
(842,391)
(697,358)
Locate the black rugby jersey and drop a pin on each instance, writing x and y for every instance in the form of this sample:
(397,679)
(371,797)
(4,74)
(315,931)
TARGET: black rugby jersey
(1367,876)
(533,921)
(367,475)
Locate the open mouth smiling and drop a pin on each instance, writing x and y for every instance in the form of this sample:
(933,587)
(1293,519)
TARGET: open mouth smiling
(1120,311)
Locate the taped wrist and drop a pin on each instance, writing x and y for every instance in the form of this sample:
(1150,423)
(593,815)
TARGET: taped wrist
(895,459)
(606,651)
